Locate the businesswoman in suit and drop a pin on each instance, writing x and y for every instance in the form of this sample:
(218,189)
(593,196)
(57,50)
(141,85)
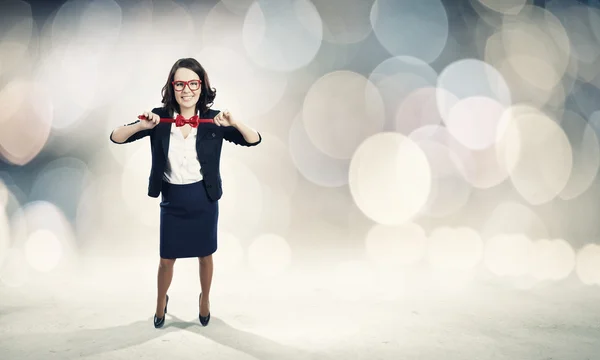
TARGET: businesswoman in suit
(186,153)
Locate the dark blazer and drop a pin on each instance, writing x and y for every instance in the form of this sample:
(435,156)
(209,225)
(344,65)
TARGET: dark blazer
(209,141)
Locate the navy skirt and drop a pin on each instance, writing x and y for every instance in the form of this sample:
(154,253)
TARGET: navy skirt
(188,221)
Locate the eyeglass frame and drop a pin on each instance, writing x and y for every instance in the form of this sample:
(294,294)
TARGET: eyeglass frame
(186,83)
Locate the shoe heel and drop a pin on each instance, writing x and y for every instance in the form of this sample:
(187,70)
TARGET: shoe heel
(159,322)
(204,319)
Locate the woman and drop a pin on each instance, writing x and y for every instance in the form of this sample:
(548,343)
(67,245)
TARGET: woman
(186,155)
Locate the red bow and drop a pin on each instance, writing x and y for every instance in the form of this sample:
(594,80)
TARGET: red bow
(180,121)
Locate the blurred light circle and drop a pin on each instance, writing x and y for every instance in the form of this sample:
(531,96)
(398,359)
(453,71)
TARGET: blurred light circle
(316,166)
(43,250)
(393,18)
(449,190)
(61,182)
(100,17)
(340,111)
(345,21)
(524,74)
(270,162)
(42,215)
(514,218)
(508,255)
(538,155)
(26,122)
(283,35)
(588,264)
(389,178)
(552,259)
(42,239)
(80,21)
(473,121)
(536,33)
(4,194)
(222,19)
(11,196)
(586,155)
(392,247)
(269,255)
(454,248)
(67,70)
(532,51)
(594,122)
(239,7)
(180,37)
(469,78)
(242,88)
(418,109)
(544,77)
(480,168)
(584,98)
(396,79)
(507,7)
(594,21)
(17,29)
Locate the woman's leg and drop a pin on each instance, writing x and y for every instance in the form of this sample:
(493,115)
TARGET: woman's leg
(165,275)
(206,273)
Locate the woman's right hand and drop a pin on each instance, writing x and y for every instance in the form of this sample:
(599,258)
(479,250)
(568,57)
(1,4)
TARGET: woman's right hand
(150,121)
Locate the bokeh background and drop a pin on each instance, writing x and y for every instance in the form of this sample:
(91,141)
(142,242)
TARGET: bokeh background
(427,186)
(458,140)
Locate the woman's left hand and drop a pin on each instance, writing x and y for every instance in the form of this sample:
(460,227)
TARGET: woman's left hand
(224,118)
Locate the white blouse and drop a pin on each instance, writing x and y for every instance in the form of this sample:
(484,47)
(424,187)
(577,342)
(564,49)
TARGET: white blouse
(183,166)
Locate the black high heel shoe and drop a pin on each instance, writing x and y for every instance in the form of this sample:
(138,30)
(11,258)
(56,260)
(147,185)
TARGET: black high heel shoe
(204,319)
(159,322)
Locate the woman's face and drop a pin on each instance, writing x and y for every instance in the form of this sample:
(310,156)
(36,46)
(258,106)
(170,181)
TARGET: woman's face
(187,88)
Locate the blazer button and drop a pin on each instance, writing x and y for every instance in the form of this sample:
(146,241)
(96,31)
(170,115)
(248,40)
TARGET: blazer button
(213,134)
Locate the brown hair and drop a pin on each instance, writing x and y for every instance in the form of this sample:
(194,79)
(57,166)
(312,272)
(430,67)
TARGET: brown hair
(207,95)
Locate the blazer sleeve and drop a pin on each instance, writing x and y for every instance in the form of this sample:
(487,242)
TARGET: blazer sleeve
(138,135)
(233,135)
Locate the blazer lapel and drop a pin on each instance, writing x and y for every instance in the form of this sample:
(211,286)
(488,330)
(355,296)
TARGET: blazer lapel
(204,129)
(165,137)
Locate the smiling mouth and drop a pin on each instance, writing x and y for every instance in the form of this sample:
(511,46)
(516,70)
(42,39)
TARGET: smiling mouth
(186,98)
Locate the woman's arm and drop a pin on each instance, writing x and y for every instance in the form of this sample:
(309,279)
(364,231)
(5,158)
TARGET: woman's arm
(135,130)
(250,135)
(236,132)
(234,135)
(124,133)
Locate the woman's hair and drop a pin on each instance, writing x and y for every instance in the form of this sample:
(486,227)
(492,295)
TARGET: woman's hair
(207,95)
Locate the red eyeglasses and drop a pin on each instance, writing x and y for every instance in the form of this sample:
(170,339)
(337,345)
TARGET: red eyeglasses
(193,85)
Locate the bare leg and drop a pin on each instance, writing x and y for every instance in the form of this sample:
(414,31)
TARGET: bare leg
(165,275)
(206,273)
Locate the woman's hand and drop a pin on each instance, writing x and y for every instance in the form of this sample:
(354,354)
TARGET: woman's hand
(224,118)
(150,121)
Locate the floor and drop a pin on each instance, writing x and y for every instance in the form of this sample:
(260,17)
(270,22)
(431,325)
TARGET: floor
(104,311)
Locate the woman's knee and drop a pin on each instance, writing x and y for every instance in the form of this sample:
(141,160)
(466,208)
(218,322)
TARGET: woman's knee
(166,263)
(205,260)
